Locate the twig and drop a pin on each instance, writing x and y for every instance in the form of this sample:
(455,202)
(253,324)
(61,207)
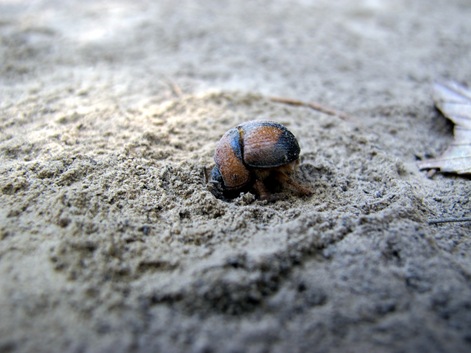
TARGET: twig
(449,220)
(431,173)
(174,87)
(315,106)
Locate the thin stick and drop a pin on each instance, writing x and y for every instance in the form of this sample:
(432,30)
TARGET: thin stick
(431,173)
(315,106)
(449,220)
(174,87)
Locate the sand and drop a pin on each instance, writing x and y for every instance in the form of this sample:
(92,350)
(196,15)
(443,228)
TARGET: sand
(109,238)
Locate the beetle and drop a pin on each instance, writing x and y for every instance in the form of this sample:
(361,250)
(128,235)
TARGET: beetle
(257,156)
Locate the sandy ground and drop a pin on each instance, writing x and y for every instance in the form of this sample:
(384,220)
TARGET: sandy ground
(109,239)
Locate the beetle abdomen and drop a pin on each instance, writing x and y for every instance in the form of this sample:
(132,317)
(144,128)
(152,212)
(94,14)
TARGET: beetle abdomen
(267,144)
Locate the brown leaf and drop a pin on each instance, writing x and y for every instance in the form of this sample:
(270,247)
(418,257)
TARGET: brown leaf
(454,101)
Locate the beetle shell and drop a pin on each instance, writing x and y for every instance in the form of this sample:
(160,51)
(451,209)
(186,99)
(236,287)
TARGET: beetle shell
(230,160)
(268,144)
(245,150)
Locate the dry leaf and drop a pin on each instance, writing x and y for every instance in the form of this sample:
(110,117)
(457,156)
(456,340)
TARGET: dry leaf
(454,101)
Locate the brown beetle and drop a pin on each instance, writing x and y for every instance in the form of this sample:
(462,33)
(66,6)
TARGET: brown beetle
(257,156)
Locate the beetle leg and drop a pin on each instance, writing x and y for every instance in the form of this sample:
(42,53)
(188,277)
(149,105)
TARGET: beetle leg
(205,175)
(287,179)
(300,189)
(261,190)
